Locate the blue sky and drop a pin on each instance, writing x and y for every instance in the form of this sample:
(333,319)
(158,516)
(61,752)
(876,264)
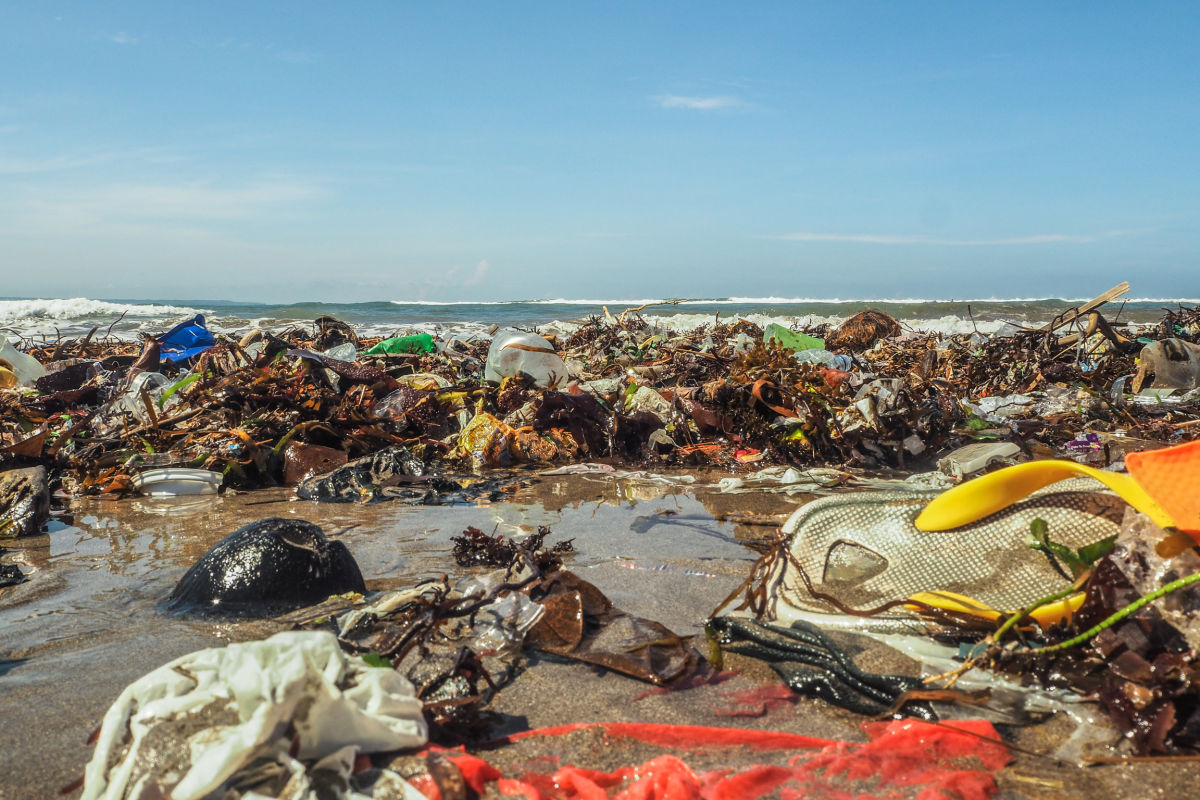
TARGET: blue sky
(367,151)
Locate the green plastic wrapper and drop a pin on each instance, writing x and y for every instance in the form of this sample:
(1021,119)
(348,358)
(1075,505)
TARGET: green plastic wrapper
(418,343)
(791,339)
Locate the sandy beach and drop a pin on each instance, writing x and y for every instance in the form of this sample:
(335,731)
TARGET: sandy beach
(87,623)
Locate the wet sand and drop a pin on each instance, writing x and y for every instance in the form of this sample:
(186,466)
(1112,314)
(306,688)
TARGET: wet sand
(87,623)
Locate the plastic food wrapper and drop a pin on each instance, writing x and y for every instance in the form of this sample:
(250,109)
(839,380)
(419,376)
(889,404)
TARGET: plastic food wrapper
(193,723)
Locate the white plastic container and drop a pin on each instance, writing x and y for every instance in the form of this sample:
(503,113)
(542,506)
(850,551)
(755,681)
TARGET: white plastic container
(27,368)
(976,457)
(177,481)
(519,353)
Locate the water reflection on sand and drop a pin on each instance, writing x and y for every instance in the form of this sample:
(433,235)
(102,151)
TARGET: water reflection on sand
(87,622)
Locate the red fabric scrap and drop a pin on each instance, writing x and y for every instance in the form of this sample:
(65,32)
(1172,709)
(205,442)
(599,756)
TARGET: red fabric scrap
(939,761)
(757,702)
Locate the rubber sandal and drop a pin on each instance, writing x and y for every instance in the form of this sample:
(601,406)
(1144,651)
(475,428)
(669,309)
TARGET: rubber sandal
(865,550)
(991,493)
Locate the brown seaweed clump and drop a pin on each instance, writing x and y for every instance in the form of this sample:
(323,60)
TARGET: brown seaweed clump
(862,331)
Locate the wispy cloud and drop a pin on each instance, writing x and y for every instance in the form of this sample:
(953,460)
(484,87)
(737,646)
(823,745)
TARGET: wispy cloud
(129,204)
(699,103)
(886,239)
(481,271)
(32,165)
(123,38)
(271,50)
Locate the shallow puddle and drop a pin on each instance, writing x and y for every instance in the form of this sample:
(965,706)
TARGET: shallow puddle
(88,621)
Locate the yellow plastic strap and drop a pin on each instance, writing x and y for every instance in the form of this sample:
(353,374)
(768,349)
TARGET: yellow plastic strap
(1044,616)
(990,493)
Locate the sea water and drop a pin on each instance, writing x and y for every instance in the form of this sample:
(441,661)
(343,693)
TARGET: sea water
(47,319)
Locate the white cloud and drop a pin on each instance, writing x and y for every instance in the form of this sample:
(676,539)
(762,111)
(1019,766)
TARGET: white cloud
(481,271)
(57,209)
(871,238)
(698,103)
(123,38)
(30,166)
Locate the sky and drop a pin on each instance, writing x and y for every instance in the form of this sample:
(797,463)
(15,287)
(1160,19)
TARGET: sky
(281,152)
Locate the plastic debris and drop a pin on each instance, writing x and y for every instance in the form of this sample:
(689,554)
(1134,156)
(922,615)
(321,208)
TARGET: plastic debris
(173,482)
(217,711)
(972,458)
(955,759)
(416,343)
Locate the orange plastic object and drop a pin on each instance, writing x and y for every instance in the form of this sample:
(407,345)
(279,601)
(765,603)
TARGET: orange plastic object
(1172,477)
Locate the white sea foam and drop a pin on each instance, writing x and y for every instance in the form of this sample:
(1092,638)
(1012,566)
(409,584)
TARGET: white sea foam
(561,301)
(781,301)
(69,317)
(947,325)
(82,307)
(455,302)
(76,316)
(1183,301)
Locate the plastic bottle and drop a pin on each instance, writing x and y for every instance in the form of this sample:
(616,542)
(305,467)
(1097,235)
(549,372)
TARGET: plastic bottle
(153,383)
(25,367)
(825,358)
(519,353)
(342,352)
(792,340)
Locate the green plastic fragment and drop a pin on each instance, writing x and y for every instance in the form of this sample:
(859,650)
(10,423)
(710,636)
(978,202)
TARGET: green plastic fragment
(792,340)
(417,343)
(376,660)
(175,387)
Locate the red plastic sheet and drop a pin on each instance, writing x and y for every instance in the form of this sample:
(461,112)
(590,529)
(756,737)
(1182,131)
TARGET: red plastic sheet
(904,760)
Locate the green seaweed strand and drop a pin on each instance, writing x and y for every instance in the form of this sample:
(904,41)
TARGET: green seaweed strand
(1025,612)
(1119,615)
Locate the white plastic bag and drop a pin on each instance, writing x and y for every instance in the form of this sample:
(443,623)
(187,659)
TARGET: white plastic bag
(224,707)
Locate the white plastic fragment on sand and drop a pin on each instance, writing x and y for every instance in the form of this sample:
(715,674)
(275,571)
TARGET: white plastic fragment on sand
(217,710)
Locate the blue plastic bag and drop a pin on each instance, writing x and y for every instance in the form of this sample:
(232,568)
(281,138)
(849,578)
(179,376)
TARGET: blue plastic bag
(185,340)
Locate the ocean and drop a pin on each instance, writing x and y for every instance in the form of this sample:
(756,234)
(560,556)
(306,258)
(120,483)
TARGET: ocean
(38,319)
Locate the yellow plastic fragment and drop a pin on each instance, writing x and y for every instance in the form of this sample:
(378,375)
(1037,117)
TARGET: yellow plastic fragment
(990,493)
(1044,616)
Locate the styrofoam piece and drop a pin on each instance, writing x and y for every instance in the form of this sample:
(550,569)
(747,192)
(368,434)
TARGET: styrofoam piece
(975,457)
(176,481)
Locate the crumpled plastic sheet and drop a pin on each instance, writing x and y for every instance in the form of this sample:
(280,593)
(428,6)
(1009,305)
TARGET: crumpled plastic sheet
(500,627)
(903,759)
(1001,408)
(190,725)
(496,629)
(333,777)
(787,480)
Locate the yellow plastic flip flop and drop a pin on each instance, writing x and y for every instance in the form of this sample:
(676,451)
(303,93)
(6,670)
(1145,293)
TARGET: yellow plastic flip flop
(997,490)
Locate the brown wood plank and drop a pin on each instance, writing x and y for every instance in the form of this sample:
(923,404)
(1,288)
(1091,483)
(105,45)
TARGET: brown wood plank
(1072,314)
